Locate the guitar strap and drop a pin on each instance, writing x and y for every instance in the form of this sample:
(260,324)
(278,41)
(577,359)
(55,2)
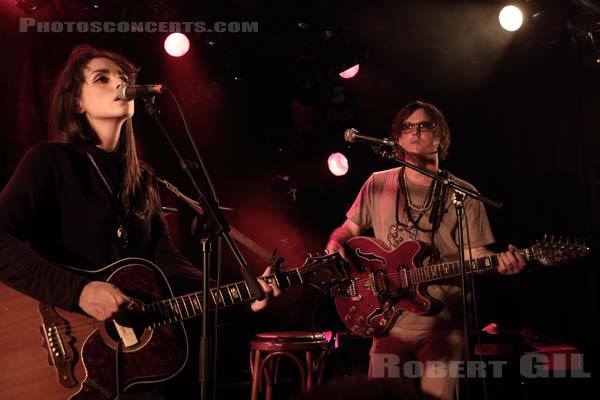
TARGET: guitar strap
(438,210)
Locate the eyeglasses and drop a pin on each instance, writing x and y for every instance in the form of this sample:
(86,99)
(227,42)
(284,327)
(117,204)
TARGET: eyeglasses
(423,126)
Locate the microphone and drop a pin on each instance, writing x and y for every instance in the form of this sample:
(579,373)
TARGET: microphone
(128,93)
(351,136)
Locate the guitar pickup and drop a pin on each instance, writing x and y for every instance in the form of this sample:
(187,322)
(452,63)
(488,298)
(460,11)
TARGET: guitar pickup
(379,283)
(403,276)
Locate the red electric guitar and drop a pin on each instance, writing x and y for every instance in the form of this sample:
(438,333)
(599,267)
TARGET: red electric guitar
(385,282)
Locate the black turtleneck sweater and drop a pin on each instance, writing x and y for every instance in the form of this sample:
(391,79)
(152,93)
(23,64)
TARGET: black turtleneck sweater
(55,211)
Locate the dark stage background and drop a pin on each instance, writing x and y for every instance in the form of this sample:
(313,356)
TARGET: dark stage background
(266,109)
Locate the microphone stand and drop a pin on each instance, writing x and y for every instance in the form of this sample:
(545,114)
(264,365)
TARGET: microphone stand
(460,192)
(220,228)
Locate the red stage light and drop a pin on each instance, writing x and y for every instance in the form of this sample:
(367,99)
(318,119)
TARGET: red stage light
(338,164)
(350,72)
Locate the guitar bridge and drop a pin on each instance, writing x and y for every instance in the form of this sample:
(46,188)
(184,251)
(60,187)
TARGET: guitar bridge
(55,331)
(347,290)
(388,286)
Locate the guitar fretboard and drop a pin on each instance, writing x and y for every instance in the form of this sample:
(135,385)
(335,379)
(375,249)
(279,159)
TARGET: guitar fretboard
(180,308)
(451,269)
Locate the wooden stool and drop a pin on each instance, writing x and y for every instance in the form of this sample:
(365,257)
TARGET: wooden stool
(285,344)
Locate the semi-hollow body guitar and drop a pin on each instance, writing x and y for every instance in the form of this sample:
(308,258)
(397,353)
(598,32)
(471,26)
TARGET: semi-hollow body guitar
(385,282)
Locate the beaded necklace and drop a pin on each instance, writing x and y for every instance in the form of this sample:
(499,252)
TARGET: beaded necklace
(426,203)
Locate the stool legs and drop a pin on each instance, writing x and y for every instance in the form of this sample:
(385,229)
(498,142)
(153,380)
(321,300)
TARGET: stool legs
(255,371)
(320,366)
(309,367)
(298,346)
(265,366)
(315,369)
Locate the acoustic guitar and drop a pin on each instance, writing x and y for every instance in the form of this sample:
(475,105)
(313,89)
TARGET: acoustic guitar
(51,354)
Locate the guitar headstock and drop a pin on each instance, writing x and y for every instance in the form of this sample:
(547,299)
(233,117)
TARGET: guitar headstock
(324,270)
(555,251)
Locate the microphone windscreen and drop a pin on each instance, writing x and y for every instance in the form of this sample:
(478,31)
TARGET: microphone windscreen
(349,135)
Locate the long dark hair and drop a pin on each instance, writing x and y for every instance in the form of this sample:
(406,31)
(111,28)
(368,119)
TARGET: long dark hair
(66,124)
(435,115)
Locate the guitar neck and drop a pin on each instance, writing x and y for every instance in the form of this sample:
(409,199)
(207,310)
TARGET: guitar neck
(452,269)
(189,306)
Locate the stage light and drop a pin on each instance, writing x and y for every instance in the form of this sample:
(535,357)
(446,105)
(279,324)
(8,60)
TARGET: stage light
(177,44)
(341,56)
(350,72)
(338,164)
(30,6)
(345,61)
(511,18)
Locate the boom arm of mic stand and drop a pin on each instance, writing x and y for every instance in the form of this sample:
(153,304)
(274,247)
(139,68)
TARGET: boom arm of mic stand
(444,180)
(190,202)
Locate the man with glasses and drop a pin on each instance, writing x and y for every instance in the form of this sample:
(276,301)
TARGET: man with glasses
(401,204)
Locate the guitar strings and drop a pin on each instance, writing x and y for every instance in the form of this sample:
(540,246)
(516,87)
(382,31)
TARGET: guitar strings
(413,272)
(75,328)
(187,300)
(181,302)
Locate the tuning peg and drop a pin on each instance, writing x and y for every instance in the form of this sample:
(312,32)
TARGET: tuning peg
(546,237)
